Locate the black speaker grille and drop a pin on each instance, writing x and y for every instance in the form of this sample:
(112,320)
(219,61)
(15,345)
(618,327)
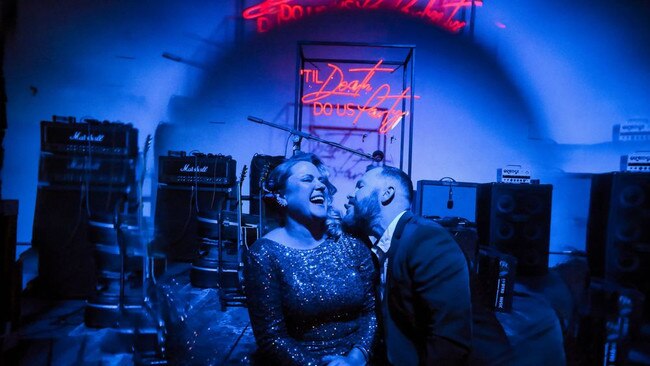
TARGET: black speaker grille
(515,219)
(618,237)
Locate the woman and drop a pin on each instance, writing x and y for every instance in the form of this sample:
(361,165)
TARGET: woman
(309,287)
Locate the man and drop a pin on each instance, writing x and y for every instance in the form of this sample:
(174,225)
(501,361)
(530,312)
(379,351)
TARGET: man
(424,291)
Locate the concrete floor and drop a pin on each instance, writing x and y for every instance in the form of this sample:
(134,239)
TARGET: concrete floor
(196,330)
(186,325)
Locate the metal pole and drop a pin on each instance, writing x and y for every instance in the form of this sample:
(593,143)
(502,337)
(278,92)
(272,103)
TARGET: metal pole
(472,16)
(412,106)
(314,138)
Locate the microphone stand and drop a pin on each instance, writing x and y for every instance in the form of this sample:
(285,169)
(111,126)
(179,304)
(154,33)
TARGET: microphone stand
(376,156)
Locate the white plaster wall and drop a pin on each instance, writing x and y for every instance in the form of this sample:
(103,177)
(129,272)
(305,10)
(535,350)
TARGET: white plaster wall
(538,92)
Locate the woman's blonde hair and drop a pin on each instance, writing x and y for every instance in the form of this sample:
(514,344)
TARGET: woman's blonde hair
(277,181)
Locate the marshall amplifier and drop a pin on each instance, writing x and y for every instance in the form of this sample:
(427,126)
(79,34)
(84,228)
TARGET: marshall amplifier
(89,137)
(76,169)
(200,170)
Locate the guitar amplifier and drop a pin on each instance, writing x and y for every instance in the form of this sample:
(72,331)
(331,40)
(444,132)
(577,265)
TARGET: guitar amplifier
(77,169)
(636,162)
(89,137)
(513,174)
(200,170)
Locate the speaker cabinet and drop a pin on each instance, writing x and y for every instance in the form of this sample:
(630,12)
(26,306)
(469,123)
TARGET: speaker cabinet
(8,220)
(516,219)
(175,223)
(178,209)
(66,264)
(618,232)
(10,270)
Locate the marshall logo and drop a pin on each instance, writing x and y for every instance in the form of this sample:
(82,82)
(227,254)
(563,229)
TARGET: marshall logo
(194,169)
(78,136)
(83,165)
(212,170)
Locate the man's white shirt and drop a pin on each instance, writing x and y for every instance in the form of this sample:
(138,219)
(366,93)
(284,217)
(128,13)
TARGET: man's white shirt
(380,249)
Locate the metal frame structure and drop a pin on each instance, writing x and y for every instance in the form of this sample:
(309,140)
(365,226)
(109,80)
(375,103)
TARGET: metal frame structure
(406,63)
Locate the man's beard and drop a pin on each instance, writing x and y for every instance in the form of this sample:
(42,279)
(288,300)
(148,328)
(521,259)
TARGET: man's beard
(364,215)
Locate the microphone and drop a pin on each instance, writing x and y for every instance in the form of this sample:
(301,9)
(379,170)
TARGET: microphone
(378,155)
(450,200)
(255,119)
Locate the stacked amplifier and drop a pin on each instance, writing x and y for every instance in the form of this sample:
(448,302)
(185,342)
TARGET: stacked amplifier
(199,219)
(91,153)
(86,174)
(192,189)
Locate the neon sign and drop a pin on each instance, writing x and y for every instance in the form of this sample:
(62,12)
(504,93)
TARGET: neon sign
(271,13)
(354,98)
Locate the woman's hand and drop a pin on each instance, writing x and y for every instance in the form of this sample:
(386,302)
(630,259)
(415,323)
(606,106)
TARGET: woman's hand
(354,358)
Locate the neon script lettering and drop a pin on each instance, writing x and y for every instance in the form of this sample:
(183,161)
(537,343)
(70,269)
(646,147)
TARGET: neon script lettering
(378,102)
(271,13)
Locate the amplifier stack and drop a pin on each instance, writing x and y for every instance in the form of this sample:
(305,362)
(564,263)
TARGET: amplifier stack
(86,170)
(190,188)
(198,219)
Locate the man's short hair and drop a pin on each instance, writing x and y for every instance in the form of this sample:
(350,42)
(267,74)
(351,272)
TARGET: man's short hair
(401,177)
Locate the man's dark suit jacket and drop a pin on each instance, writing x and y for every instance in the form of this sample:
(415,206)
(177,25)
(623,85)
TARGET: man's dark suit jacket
(426,311)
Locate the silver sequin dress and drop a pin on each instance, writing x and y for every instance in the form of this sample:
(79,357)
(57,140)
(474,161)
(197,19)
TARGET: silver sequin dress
(308,303)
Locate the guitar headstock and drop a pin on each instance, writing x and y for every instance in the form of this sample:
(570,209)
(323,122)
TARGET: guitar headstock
(264,174)
(147,144)
(242,176)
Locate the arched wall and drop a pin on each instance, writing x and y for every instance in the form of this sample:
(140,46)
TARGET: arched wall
(542,84)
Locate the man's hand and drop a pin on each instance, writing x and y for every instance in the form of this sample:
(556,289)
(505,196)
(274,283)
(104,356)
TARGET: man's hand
(336,361)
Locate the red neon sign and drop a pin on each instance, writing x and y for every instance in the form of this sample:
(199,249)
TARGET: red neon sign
(378,102)
(271,13)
